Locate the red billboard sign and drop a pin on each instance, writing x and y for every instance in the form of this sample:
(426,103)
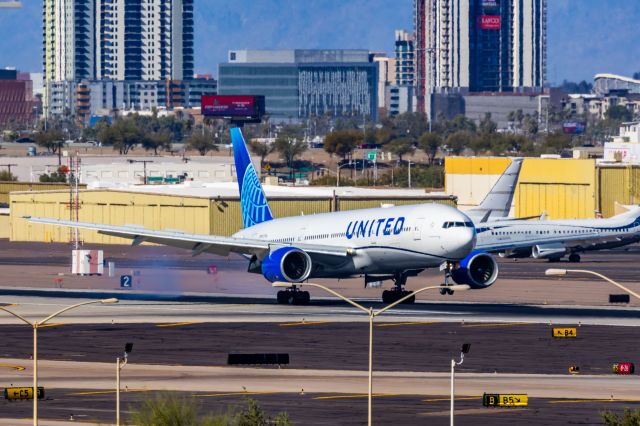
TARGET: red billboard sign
(232,106)
(489,22)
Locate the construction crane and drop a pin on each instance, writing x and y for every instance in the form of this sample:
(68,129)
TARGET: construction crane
(10,4)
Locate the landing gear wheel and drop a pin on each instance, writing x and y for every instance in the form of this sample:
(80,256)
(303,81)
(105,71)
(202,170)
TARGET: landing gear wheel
(301,298)
(574,258)
(293,297)
(391,296)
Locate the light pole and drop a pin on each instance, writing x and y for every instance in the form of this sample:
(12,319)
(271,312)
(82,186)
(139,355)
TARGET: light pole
(464,350)
(35,325)
(562,272)
(372,315)
(409,178)
(338,172)
(120,363)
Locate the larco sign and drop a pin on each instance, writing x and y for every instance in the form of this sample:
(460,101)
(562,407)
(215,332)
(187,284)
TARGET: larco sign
(489,22)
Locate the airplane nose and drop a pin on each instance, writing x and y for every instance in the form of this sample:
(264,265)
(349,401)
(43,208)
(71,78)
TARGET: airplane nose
(462,243)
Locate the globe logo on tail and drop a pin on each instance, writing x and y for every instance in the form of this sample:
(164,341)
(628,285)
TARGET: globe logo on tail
(254,204)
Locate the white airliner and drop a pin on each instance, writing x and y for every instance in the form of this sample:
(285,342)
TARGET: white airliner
(545,239)
(380,244)
(553,239)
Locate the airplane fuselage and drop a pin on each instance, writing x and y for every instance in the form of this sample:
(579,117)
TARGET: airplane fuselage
(575,235)
(381,240)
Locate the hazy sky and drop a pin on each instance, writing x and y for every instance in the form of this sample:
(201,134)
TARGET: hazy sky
(585,36)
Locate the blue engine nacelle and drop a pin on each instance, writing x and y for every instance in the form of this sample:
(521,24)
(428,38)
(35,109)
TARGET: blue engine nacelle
(478,270)
(288,264)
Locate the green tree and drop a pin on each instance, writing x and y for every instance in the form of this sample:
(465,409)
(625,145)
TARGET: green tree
(457,142)
(155,141)
(52,140)
(430,143)
(619,113)
(289,149)
(628,418)
(487,125)
(58,176)
(401,147)
(555,143)
(261,149)
(7,176)
(202,143)
(342,142)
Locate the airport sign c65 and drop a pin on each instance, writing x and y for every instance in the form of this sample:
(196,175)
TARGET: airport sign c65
(14,394)
(505,400)
(564,332)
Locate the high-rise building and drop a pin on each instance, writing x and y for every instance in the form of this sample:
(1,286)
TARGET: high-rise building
(300,83)
(143,40)
(405,58)
(480,46)
(16,97)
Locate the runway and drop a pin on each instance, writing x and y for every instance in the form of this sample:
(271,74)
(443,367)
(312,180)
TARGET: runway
(184,323)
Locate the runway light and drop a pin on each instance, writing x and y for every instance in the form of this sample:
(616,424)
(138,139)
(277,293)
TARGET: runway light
(555,272)
(574,369)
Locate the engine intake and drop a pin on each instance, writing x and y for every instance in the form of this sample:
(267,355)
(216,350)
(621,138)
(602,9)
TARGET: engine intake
(549,251)
(478,270)
(288,264)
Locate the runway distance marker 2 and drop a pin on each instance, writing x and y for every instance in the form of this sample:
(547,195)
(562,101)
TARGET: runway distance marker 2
(16,394)
(505,400)
(564,332)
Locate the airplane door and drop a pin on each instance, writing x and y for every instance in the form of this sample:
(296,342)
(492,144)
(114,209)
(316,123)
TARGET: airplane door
(417,230)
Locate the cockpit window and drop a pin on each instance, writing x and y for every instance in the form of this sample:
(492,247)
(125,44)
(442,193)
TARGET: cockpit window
(457,225)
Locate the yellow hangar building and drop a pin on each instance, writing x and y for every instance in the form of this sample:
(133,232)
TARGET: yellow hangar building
(561,188)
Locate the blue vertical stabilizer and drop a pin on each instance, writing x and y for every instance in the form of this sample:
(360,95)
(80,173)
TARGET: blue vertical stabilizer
(253,202)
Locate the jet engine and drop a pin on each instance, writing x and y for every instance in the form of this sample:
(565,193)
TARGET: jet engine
(478,270)
(288,264)
(549,251)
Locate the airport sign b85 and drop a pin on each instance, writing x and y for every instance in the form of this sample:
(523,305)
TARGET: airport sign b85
(14,394)
(505,400)
(564,332)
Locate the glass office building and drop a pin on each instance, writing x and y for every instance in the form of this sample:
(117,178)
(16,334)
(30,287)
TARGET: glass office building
(298,84)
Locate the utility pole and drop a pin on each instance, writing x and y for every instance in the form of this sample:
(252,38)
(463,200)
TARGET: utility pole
(9,166)
(144,167)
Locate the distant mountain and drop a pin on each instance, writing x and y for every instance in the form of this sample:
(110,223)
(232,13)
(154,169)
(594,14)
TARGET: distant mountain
(585,36)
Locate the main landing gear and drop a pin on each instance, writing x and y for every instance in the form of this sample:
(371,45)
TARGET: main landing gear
(398,292)
(574,258)
(293,296)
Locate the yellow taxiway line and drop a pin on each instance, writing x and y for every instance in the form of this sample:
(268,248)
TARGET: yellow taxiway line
(14,367)
(108,392)
(360,395)
(466,398)
(396,324)
(578,401)
(176,324)
(233,394)
(53,324)
(292,324)
(497,324)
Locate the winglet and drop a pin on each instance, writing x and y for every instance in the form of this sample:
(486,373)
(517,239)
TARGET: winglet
(253,202)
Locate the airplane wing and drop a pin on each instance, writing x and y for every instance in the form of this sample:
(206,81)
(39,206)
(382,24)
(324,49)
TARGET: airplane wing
(197,243)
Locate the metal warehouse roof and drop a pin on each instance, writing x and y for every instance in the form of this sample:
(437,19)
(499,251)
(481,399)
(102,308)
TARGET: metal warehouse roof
(230,189)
